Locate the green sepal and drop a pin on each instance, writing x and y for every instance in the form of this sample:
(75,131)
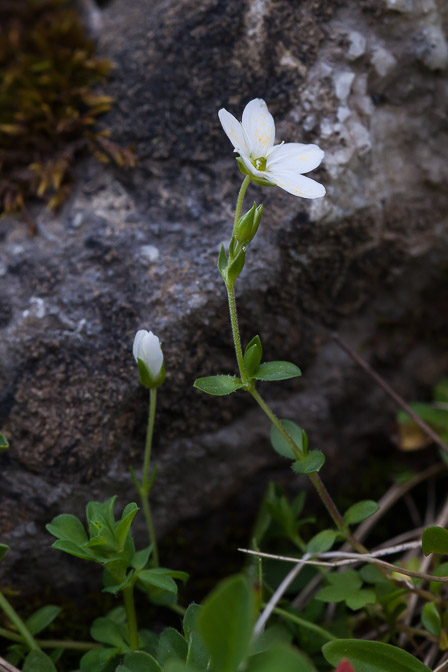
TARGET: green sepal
(272,371)
(145,377)
(242,166)
(312,462)
(236,266)
(222,262)
(360,511)
(252,355)
(4,445)
(218,386)
(243,228)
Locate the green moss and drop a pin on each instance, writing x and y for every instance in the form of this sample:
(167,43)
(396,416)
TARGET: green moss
(49,104)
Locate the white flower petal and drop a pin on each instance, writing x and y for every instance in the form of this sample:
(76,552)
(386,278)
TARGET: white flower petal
(137,347)
(147,348)
(259,125)
(295,156)
(234,131)
(297,185)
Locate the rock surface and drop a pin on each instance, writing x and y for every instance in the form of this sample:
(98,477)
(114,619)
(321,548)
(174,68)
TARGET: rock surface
(365,79)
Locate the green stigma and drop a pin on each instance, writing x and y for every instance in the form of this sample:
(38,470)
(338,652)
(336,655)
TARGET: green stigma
(260,164)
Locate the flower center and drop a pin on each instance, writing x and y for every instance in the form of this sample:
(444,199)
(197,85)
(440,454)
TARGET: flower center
(260,164)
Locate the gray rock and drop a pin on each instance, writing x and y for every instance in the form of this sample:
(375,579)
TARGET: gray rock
(138,250)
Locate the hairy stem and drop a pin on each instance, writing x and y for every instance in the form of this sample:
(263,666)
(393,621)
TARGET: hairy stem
(239,202)
(128,596)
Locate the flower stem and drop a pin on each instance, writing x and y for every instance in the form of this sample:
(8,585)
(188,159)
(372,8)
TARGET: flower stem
(150,525)
(305,624)
(149,433)
(241,195)
(52,643)
(128,596)
(20,625)
(235,331)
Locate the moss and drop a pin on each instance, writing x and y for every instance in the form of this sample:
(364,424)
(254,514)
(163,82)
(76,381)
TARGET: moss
(49,104)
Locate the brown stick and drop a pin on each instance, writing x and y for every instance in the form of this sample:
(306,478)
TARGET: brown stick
(7,667)
(396,397)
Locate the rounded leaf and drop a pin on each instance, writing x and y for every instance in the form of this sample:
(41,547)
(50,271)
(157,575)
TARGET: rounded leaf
(272,371)
(281,445)
(435,540)
(218,386)
(311,463)
(360,511)
(368,656)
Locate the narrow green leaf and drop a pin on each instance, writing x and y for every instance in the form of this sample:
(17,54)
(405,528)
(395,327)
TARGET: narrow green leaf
(431,619)
(311,463)
(42,618)
(72,549)
(280,658)
(123,527)
(171,645)
(280,444)
(360,511)
(38,661)
(272,371)
(225,623)
(152,578)
(139,661)
(218,385)
(322,542)
(4,445)
(435,540)
(366,656)
(234,269)
(68,527)
(3,549)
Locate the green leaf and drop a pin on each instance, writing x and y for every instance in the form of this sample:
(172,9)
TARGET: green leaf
(157,579)
(322,542)
(252,355)
(311,463)
(225,623)
(140,558)
(341,586)
(280,658)
(218,385)
(3,550)
(38,661)
(104,630)
(197,655)
(431,619)
(280,444)
(171,645)
(442,570)
(222,262)
(97,659)
(435,540)
(4,445)
(234,269)
(359,599)
(123,527)
(368,656)
(72,549)
(360,511)
(110,585)
(139,661)
(175,665)
(277,371)
(42,618)
(69,528)
(441,391)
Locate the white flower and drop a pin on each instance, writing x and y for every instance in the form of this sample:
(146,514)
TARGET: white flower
(147,349)
(282,164)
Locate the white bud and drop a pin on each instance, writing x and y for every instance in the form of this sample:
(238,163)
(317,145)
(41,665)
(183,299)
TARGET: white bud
(147,348)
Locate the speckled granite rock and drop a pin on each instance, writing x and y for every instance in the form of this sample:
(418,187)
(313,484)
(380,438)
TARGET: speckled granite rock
(365,79)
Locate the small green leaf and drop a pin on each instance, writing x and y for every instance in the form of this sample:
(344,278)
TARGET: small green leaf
(360,511)
(435,540)
(280,444)
(272,371)
(341,586)
(171,645)
(431,619)
(111,585)
(157,579)
(359,599)
(280,658)
(4,445)
(72,549)
(225,623)
(139,661)
(123,527)
(68,527)
(252,355)
(3,549)
(104,630)
(38,661)
(366,656)
(42,618)
(97,659)
(218,385)
(322,542)
(222,262)
(140,558)
(311,463)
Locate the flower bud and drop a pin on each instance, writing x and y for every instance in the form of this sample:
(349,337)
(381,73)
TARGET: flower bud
(149,357)
(248,224)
